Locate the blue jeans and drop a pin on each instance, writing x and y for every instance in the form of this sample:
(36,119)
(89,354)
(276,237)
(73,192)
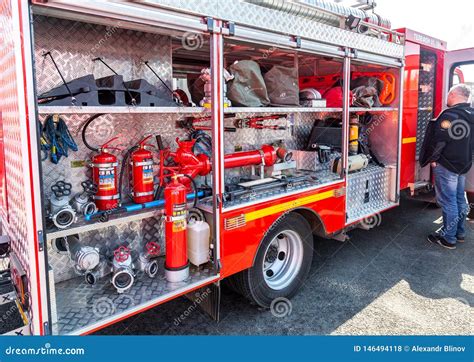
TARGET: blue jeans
(449,188)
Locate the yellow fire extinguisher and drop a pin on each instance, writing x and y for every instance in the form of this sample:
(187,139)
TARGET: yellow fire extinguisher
(354,135)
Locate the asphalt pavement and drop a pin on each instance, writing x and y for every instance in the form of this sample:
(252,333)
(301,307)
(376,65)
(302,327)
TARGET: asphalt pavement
(387,280)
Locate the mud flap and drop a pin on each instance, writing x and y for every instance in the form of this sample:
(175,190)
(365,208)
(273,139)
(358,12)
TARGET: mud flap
(208,298)
(14,321)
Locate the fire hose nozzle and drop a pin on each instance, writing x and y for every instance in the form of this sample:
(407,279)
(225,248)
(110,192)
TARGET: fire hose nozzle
(123,275)
(283,154)
(91,277)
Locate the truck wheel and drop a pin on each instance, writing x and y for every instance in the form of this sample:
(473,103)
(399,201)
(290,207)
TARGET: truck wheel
(281,265)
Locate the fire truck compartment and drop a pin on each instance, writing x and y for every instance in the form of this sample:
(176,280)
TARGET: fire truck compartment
(104,83)
(287,123)
(81,300)
(80,306)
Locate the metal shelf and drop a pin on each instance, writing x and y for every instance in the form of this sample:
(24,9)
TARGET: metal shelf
(84,226)
(280,109)
(177,110)
(109,109)
(193,110)
(77,317)
(375,109)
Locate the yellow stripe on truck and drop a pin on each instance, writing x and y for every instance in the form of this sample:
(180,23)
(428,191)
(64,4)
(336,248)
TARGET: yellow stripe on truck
(288,205)
(409,140)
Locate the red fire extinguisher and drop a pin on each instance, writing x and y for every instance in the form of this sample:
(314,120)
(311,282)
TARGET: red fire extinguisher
(176,261)
(142,173)
(104,174)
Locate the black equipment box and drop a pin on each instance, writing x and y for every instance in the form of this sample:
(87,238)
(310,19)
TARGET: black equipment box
(327,136)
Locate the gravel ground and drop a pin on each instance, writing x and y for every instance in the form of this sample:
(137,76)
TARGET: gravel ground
(388,280)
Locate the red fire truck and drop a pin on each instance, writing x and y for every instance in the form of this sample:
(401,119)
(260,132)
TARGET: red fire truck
(430,70)
(152,149)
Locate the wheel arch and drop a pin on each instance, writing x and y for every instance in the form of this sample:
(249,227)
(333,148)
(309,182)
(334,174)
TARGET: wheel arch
(315,222)
(312,218)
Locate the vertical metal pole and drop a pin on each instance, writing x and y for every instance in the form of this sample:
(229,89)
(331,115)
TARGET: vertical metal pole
(346,77)
(217,101)
(400,124)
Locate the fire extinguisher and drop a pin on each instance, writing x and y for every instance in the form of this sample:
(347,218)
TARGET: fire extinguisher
(142,173)
(353,134)
(176,261)
(104,175)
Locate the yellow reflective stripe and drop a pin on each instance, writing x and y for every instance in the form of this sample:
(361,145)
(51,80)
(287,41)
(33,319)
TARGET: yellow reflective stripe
(288,205)
(409,140)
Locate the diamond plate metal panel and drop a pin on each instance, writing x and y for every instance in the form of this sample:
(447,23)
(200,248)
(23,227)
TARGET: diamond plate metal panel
(277,21)
(136,234)
(74,44)
(367,192)
(79,304)
(14,219)
(427,84)
(130,127)
(308,160)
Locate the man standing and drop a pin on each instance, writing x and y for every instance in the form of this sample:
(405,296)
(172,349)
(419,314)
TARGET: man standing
(448,147)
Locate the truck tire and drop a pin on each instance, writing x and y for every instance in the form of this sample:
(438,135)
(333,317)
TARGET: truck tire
(281,265)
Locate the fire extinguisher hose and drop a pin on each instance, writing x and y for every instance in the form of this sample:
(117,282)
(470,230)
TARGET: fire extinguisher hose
(195,189)
(159,144)
(84,129)
(122,170)
(203,143)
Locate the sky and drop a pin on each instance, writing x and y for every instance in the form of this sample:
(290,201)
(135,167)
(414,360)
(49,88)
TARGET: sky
(452,21)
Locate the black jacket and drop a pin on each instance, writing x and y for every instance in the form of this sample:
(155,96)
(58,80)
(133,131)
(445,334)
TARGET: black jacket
(449,139)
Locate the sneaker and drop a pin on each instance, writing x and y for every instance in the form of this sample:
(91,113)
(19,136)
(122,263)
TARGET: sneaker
(436,239)
(461,239)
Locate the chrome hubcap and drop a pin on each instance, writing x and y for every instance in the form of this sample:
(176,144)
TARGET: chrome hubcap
(283,259)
